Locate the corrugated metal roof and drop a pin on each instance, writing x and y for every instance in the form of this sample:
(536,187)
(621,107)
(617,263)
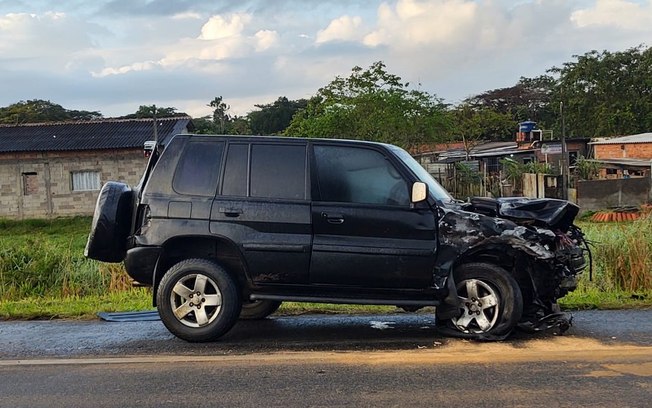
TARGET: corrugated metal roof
(640,138)
(91,135)
(625,162)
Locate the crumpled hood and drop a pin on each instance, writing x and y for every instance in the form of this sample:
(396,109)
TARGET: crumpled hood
(464,230)
(543,212)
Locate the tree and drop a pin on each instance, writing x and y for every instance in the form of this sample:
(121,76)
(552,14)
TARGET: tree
(275,117)
(529,99)
(38,111)
(477,124)
(373,104)
(220,115)
(605,93)
(149,111)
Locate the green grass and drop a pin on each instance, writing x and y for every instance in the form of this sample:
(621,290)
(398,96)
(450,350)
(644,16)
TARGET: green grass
(43,273)
(76,307)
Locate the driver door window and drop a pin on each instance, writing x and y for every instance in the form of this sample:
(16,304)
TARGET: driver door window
(358,175)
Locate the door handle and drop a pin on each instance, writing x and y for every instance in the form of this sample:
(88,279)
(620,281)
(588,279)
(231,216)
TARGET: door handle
(333,218)
(230,212)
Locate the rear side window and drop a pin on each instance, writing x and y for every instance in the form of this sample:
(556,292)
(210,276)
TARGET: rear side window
(235,172)
(198,169)
(278,171)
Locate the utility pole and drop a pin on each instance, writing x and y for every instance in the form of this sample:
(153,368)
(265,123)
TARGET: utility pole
(155,127)
(564,155)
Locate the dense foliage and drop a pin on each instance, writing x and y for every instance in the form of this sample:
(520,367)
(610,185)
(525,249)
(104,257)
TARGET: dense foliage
(373,104)
(274,118)
(37,110)
(151,111)
(606,93)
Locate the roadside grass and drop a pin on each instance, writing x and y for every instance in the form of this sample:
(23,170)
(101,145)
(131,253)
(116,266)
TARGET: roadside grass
(44,275)
(75,307)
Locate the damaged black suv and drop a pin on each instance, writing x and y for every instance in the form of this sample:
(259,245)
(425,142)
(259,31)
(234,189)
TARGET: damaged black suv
(228,227)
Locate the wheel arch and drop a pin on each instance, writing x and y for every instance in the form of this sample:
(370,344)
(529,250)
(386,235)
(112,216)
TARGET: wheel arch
(219,249)
(515,262)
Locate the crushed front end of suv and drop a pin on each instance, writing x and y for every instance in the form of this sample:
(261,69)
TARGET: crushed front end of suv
(228,227)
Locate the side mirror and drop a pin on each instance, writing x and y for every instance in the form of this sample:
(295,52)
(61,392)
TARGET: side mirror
(419,192)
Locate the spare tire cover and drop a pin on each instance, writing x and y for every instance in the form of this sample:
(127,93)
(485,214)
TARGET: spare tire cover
(111,223)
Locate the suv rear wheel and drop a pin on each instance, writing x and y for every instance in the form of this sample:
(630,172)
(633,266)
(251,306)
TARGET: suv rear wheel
(491,300)
(198,300)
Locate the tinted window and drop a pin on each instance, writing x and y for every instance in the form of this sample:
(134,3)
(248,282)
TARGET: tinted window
(358,175)
(278,171)
(235,172)
(198,169)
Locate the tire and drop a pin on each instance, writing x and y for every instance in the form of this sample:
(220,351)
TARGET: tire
(107,240)
(491,301)
(258,309)
(218,295)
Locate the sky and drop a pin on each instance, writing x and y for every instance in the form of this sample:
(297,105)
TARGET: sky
(114,55)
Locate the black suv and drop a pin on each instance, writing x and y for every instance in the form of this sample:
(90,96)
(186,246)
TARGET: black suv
(228,227)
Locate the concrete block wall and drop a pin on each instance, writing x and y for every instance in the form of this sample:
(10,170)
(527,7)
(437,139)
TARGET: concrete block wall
(602,194)
(51,193)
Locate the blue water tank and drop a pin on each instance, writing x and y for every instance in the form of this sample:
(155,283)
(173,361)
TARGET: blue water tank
(527,126)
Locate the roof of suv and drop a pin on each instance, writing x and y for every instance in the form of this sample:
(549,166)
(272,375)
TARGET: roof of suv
(284,139)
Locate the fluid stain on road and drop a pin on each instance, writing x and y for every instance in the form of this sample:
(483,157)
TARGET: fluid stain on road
(614,358)
(617,370)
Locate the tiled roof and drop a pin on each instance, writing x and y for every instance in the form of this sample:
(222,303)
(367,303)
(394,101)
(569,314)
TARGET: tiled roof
(90,135)
(640,138)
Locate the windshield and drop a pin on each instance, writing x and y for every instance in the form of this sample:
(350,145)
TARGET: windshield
(434,187)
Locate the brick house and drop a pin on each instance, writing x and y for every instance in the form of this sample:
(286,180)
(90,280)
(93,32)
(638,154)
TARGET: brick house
(626,147)
(57,169)
(624,156)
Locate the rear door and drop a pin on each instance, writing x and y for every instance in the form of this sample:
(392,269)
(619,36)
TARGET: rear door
(366,232)
(264,207)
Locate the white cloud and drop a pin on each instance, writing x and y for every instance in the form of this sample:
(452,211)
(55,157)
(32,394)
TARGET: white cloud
(623,14)
(48,35)
(266,39)
(188,15)
(344,28)
(221,38)
(219,27)
(415,23)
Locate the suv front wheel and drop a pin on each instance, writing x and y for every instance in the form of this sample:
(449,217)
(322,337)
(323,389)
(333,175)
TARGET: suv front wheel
(491,302)
(198,300)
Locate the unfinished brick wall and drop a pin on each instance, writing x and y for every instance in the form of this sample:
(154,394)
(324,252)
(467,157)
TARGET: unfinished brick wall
(39,185)
(626,150)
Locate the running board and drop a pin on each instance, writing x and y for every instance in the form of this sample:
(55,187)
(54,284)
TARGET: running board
(349,301)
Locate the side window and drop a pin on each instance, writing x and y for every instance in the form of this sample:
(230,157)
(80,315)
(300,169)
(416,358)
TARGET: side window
(198,169)
(358,175)
(278,171)
(235,172)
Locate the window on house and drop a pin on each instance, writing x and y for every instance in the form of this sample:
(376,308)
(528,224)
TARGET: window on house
(572,158)
(30,183)
(85,180)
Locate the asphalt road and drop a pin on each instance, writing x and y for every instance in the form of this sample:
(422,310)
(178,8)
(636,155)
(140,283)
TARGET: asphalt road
(382,360)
